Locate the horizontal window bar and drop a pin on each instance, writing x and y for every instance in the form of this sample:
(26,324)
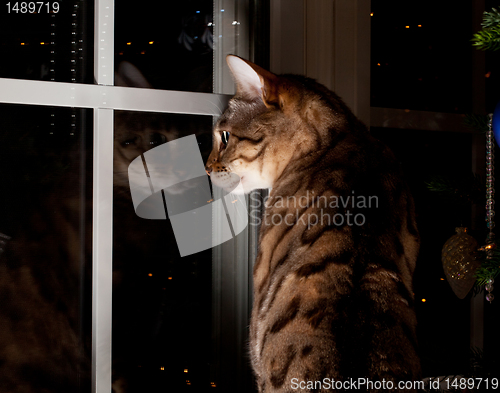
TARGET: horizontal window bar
(19,91)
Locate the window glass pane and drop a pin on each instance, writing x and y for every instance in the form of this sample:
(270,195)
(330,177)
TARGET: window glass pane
(443,318)
(162,324)
(170,42)
(421,59)
(45,248)
(51,41)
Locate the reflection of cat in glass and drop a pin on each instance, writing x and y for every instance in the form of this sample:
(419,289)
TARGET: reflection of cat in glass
(44,323)
(151,243)
(136,132)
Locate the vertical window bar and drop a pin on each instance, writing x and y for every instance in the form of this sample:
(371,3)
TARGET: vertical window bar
(102,240)
(230,38)
(230,264)
(102,250)
(104,42)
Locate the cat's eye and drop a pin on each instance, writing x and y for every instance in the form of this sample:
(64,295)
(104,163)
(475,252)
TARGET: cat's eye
(225,137)
(128,142)
(156,139)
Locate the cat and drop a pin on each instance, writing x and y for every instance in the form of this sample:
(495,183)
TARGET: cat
(333,298)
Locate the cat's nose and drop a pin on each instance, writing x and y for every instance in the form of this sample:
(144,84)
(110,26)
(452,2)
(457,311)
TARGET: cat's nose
(208,169)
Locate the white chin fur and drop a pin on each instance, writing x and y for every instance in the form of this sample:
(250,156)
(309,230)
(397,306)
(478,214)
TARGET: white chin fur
(234,184)
(227,181)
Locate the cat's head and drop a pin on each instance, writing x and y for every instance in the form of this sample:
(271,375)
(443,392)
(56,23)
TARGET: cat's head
(271,121)
(135,132)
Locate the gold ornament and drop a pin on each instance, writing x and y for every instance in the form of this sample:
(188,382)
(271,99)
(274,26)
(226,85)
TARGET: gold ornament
(459,261)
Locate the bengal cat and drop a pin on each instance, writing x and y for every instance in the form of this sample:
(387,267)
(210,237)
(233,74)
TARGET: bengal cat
(333,299)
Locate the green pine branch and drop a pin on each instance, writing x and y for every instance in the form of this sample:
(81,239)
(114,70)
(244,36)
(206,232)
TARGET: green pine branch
(490,268)
(491,19)
(477,122)
(459,189)
(489,37)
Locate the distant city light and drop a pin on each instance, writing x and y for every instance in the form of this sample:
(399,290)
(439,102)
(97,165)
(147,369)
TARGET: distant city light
(407,27)
(22,43)
(419,25)
(129,43)
(150,274)
(162,368)
(42,43)
(424,300)
(151,42)
(371,14)
(185,370)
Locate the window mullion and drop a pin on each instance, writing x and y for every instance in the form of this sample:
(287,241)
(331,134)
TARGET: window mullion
(102,234)
(102,240)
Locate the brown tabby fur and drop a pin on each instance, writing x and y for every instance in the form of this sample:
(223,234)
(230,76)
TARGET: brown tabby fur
(330,301)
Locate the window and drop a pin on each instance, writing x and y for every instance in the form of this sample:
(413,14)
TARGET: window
(420,94)
(112,300)
(341,44)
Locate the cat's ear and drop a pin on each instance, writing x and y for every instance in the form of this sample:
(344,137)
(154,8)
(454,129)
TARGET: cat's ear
(128,75)
(253,81)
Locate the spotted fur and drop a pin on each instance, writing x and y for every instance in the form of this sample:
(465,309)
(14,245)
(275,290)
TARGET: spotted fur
(331,299)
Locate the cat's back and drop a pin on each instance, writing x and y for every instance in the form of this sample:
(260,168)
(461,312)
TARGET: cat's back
(333,278)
